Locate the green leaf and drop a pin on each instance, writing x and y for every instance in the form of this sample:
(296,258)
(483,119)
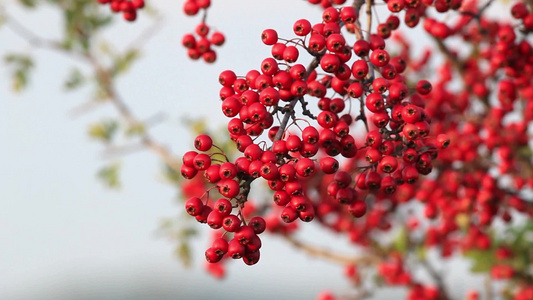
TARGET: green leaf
(136,129)
(104,130)
(183,251)
(29,3)
(21,66)
(74,80)
(109,175)
(482,261)
(124,62)
(401,241)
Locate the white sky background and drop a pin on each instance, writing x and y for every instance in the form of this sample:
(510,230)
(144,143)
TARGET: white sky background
(64,236)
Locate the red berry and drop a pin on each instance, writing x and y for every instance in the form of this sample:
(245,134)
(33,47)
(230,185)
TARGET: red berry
(194,206)
(302,27)
(231,223)
(269,37)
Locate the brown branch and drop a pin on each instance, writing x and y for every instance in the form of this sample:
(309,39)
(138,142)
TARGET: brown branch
(105,80)
(443,295)
(332,256)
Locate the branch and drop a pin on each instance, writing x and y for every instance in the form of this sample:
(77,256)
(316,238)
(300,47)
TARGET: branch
(437,277)
(290,109)
(105,80)
(330,255)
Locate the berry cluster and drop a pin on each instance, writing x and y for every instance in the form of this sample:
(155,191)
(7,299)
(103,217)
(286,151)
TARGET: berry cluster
(245,243)
(199,43)
(128,8)
(396,151)
(345,140)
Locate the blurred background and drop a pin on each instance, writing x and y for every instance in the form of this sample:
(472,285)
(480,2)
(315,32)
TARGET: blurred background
(65,235)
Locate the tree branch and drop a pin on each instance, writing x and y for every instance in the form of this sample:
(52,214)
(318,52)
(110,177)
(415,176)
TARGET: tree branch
(332,256)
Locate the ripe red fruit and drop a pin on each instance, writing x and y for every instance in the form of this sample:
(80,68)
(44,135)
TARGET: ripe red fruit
(317,42)
(228,188)
(423,87)
(236,250)
(374,102)
(212,256)
(258,224)
(202,217)
(348,14)
(289,214)
(379,57)
(360,69)
(188,172)
(307,214)
(281,198)
(194,206)
(231,223)
(218,38)
(388,164)
(212,174)
(269,37)
(214,219)
(357,208)
(329,165)
(442,141)
(202,161)
(330,63)
(305,167)
(290,54)
(220,245)
(223,206)
(302,27)
(244,234)
(190,8)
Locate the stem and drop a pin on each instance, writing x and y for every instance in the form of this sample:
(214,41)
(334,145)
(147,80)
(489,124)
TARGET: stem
(290,108)
(438,279)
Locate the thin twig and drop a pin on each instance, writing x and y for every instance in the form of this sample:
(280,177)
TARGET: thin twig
(290,109)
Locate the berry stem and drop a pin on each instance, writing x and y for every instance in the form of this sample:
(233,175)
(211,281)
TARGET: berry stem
(290,109)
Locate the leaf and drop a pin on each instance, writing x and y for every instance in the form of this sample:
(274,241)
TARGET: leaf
(29,3)
(123,63)
(421,252)
(104,130)
(21,67)
(136,129)
(482,261)
(183,251)
(74,80)
(401,241)
(110,175)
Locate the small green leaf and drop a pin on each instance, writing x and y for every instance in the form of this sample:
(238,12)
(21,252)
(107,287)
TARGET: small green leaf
(21,66)
(123,63)
(109,175)
(183,251)
(28,3)
(104,130)
(401,241)
(482,261)
(136,129)
(74,80)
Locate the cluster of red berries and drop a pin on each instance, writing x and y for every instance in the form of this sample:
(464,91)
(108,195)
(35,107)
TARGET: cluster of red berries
(245,243)
(128,8)
(199,44)
(396,152)
(325,171)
